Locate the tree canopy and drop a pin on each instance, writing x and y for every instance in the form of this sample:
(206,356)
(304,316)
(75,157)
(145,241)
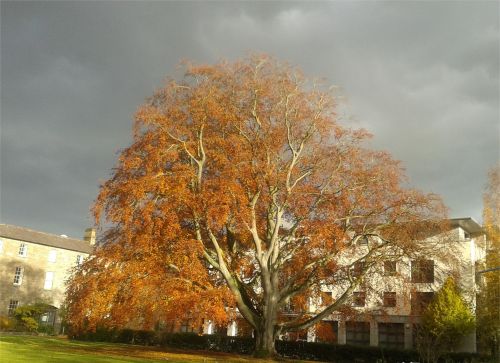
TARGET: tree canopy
(242,189)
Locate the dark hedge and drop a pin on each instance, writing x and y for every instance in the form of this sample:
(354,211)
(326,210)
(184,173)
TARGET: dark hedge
(288,349)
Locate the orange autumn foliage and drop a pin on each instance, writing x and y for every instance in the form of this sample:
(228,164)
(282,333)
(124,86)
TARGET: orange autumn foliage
(241,189)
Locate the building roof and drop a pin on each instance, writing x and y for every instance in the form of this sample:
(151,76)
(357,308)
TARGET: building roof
(42,238)
(468,224)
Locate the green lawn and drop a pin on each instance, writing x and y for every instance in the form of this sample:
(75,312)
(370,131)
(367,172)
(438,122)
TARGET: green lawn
(34,349)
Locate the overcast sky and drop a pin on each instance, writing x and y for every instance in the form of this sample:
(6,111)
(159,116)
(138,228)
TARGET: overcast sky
(423,77)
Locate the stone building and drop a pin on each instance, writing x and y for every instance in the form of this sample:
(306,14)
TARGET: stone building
(34,267)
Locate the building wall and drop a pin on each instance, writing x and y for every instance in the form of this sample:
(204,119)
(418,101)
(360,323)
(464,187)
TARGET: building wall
(468,250)
(35,265)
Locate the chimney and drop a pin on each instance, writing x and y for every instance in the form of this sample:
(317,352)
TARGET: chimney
(89,236)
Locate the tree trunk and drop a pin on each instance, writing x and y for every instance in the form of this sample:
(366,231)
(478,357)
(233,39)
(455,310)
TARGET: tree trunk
(264,344)
(266,332)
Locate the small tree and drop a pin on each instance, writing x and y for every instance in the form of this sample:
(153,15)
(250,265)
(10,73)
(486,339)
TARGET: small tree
(488,304)
(445,320)
(28,316)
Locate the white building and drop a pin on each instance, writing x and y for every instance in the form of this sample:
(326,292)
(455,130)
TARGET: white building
(387,314)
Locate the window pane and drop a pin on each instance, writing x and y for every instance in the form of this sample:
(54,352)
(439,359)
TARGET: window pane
(419,301)
(422,271)
(391,335)
(52,255)
(357,333)
(13,306)
(359,298)
(23,250)
(389,299)
(18,276)
(389,268)
(49,277)
(327,331)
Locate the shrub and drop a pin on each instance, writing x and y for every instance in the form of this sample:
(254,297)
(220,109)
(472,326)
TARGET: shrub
(7,323)
(241,345)
(140,337)
(27,316)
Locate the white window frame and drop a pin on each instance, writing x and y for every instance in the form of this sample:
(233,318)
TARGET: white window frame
(18,276)
(79,259)
(52,256)
(49,280)
(23,250)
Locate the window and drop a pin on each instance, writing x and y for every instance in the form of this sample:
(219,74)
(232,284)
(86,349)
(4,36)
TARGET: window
(187,326)
(389,268)
(363,241)
(48,319)
(419,301)
(391,335)
(18,276)
(49,278)
(422,271)
(357,333)
(359,298)
(79,260)
(297,336)
(13,304)
(389,299)
(358,268)
(326,298)
(52,255)
(23,250)
(327,331)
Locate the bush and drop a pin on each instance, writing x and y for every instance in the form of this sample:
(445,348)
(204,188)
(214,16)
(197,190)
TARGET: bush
(343,353)
(45,329)
(289,349)
(140,337)
(27,316)
(7,323)
(99,335)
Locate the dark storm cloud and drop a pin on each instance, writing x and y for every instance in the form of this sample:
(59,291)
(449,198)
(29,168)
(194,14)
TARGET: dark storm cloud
(422,76)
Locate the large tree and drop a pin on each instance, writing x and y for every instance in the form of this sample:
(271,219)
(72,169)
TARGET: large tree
(241,189)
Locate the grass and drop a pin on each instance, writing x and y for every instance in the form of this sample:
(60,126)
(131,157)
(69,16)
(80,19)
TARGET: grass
(20,349)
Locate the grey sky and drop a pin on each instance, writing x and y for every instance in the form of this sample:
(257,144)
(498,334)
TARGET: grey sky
(423,77)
